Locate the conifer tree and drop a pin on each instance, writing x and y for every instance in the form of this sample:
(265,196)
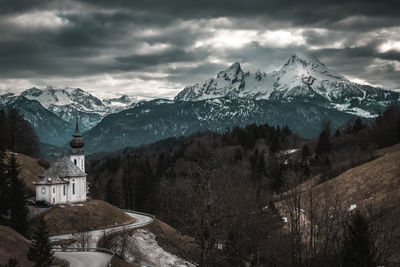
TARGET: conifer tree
(11,263)
(357,246)
(306,160)
(4,187)
(18,210)
(324,145)
(40,251)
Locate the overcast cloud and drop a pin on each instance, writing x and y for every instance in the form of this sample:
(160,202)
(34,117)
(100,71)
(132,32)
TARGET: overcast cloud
(155,48)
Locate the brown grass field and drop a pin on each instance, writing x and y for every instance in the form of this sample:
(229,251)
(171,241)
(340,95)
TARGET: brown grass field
(94,214)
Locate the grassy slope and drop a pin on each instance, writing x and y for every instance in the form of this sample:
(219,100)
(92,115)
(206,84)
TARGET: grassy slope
(94,214)
(30,171)
(375,184)
(377,181)
(13,245)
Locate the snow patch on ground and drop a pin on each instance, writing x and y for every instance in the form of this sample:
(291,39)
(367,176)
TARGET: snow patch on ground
(352,207)
(287,152)
(144,250)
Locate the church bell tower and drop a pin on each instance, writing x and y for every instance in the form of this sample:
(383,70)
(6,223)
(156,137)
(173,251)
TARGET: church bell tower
(77,155)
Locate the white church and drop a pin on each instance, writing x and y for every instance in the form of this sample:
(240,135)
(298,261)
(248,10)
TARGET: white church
(65,180)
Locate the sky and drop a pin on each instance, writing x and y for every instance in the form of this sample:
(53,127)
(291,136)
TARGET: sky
(154,48)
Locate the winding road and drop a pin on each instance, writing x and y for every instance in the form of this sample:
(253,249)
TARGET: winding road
(84,259)
(99,258)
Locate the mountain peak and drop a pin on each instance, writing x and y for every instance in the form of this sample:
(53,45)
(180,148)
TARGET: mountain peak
(232,73)
(303,59)
(235,66)
(302,76)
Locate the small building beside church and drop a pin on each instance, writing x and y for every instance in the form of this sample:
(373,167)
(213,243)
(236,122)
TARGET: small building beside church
(65,180)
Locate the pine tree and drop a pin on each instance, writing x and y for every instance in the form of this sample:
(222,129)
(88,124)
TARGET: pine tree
(306,156)
(357,247)
(11,263)
(4,187)
(358,125)
(275,146)
(231,250)
(40,251)
(18,210)
(324,145)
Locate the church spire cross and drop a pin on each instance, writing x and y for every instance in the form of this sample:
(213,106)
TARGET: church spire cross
(77,133)
(77,142)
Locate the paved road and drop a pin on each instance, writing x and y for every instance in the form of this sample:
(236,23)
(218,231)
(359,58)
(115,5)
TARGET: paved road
(140,220)
(84,259)
(96,259)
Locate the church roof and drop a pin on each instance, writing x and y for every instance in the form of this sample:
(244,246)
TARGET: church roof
(50,181)
(63,167)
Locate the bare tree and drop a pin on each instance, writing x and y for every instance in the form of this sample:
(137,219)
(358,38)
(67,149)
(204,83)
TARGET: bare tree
(83,239)
(198,204)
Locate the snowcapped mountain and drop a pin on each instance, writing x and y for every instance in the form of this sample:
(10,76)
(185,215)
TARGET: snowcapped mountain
(60,97)
(68,103)
(52,111)
(117,104)
(302,78)
(49,127)
(302,94)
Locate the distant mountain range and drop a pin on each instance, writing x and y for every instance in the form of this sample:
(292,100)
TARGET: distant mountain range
(52,111)
(302,94)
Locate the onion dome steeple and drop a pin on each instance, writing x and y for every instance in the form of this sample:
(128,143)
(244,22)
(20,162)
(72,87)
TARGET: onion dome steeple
(77,142)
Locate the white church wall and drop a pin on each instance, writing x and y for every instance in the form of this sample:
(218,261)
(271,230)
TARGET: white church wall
(72,190)
(81,189)
(78,160)
(60,197)
(43,192)
(79,194)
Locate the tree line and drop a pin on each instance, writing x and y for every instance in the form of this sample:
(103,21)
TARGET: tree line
(229,192)
(16,134)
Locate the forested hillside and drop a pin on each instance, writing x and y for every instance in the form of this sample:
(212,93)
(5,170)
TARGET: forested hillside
(223,189)
(17,134)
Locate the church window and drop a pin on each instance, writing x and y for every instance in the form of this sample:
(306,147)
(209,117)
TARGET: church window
(73,189)
(64,190)
(75,161)
(54,190)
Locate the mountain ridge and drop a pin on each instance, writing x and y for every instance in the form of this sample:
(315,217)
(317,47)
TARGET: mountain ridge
(301,78)
(301,94)
(69,103)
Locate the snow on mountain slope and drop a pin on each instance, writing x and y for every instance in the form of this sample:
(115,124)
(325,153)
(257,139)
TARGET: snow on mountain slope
(68,96)
(68,103)
(118,104)
(301,78)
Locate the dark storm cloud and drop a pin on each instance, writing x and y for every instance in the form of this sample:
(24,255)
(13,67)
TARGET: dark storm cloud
(13,6)
(300,11)
(174,38)
(135,62)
